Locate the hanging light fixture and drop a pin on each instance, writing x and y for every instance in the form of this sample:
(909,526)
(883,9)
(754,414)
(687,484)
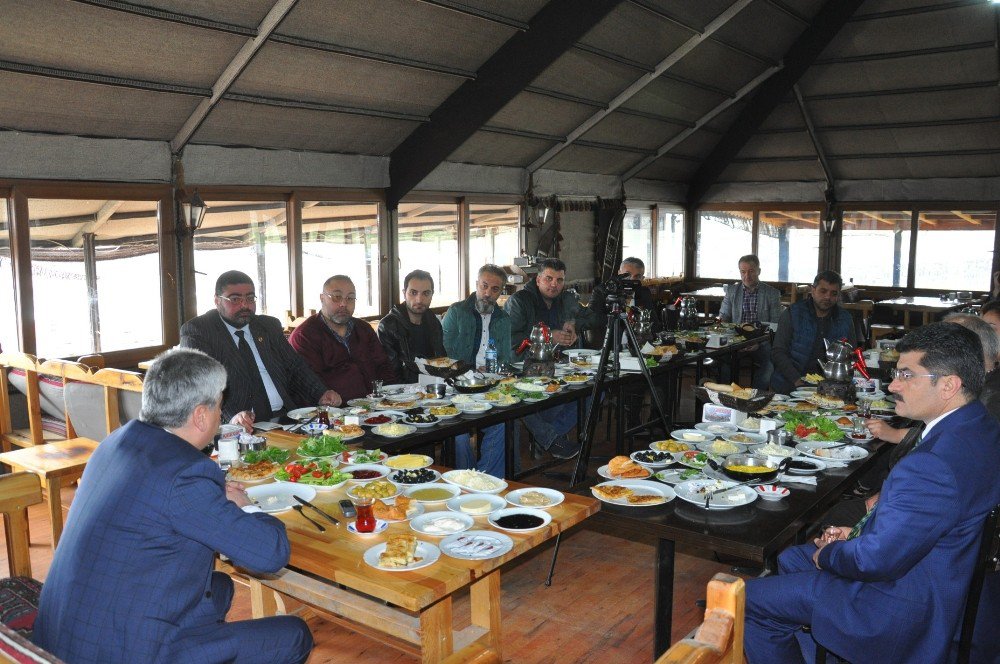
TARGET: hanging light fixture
(193,212)
(830,222)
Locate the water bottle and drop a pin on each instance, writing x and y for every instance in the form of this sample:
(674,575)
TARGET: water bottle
(492,365)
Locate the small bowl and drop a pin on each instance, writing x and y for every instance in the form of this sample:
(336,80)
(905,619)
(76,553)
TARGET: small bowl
(450,489)
(314,428)
(382,471)
(771,492)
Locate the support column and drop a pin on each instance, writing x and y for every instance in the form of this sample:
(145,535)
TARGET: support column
(90,275)
(783,253)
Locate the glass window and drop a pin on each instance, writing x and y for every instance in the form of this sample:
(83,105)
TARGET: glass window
(249,236)
(637,235)
(875,249)
(942,237)
(493,237)
(788,245)
(341,238)
(670,244)
(722,238)
(99,260)
(428,240)
(8,322)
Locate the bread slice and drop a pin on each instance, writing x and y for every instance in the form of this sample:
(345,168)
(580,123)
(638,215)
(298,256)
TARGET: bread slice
(644,499)
(612,491)
(624,467)
(399,550)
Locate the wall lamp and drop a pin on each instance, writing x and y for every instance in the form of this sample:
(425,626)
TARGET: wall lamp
(192,213)
(830,222)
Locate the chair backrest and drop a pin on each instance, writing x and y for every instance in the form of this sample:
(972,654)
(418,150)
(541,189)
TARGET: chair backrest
(28,369)
(65,372)
(95,361)
(17,492)
(720,637)
(987,562)
(115,382)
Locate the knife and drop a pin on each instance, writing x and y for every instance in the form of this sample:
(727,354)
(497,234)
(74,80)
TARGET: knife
(321,512)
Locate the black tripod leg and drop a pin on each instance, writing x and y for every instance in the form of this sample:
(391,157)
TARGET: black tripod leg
(552,567)
(591,422)
(654,394)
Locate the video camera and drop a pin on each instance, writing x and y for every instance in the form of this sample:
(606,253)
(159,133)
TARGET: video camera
(620,287)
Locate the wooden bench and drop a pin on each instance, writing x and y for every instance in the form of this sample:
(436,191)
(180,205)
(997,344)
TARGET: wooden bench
(720,637)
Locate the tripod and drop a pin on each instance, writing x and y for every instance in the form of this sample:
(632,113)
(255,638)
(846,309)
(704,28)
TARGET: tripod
(617,326)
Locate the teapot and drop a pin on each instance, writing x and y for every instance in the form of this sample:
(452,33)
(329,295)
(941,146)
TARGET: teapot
(539,343)
(838,351)
(836,370)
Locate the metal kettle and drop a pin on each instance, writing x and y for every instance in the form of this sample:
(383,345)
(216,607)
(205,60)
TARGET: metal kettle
(539,343)
(838,351)
(836,370)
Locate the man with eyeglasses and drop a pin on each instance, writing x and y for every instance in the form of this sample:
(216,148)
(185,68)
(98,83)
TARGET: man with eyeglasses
(343,350)
(893,586)
(411,329)
(265,378)
(468,327)
(802,329)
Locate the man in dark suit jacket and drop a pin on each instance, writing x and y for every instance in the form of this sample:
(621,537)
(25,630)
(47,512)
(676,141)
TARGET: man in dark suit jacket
(132,579)
(267,377)
(893,587)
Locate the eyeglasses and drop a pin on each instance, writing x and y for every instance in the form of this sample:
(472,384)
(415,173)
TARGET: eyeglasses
(337,299)
(239,299)
(905,375)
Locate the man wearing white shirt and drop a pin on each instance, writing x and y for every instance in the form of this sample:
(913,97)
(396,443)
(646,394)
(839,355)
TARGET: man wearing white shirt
(265,376)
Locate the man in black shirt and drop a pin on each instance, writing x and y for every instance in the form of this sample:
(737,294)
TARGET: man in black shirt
(411,329)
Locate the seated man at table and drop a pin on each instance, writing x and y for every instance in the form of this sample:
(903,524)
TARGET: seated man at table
(132,579)
(893,587)
(750,300)
(265,377)
(411,329)
(631,268)
(802,329)
(468,327)
(545,300)
(343,350)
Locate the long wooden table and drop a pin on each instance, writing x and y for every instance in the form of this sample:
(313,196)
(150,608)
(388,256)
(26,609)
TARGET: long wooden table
(755,532)
(327,571)
(928,306)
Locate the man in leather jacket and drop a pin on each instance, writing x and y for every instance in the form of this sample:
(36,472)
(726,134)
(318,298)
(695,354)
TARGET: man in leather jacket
(411,329)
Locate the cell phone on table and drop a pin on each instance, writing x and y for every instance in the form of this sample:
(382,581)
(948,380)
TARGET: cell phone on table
(347,507)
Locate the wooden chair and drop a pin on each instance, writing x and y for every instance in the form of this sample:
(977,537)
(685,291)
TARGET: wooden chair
(17,492)
(95,361)
(66,371)
(720,637)
(115,381)
(33,435)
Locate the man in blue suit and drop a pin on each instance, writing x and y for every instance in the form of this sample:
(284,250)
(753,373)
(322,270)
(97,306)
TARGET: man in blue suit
(892,589)
(132,578)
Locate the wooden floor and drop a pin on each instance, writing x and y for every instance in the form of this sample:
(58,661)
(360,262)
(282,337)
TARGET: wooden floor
(598,609)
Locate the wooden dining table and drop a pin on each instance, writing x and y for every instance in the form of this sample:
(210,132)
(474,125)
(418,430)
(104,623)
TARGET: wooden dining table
(929,307)
(411,610)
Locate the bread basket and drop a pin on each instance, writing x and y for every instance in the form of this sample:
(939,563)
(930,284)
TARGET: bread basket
(758,400)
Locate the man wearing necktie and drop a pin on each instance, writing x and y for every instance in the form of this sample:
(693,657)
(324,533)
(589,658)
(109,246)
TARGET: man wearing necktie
(892,588)
(266,377)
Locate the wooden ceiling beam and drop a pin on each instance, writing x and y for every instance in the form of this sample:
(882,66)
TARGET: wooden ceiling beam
(800,56)
(551,32)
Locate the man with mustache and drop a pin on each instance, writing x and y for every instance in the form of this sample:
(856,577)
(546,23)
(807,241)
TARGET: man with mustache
(802,328)
(468,327)
(264,377)
(344,351)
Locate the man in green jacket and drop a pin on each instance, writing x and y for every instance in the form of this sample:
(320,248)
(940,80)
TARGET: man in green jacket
(468,327)
(544,300)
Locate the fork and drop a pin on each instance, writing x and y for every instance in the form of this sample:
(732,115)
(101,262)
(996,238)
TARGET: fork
(298,508)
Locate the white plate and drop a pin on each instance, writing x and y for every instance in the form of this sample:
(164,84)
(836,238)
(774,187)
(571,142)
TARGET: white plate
(804,392)
(378,430)
(445,417)
(300,414)
(605,472)
(317,487)
(258,480)
(362,403)
(754,438)
(273,498)
(580,352)
(791,451)
(435,476)
(845,454)
(771,492)
(860,441)
(344,436)
(450,488)
(716,428)
(739,496)
(640,487)
(351,491)
(474,407)
(710,448)
(426,461)
(667,460)
(496,503)
(529,387)
(477,545)
(679,458)
(421,425)
(817,467)
(450,476)
(427,552)
(425,523)
(696,436)
(513,511)
(653,445)
(673,475)
(349,457)
(506,403)
(378,413)
(384,470)
(380,526)
(556,497)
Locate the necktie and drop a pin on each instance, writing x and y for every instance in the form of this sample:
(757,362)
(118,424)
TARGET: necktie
(856,530)
(258,397)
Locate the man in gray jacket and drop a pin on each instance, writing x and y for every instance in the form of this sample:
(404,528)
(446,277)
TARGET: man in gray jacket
(750,300)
